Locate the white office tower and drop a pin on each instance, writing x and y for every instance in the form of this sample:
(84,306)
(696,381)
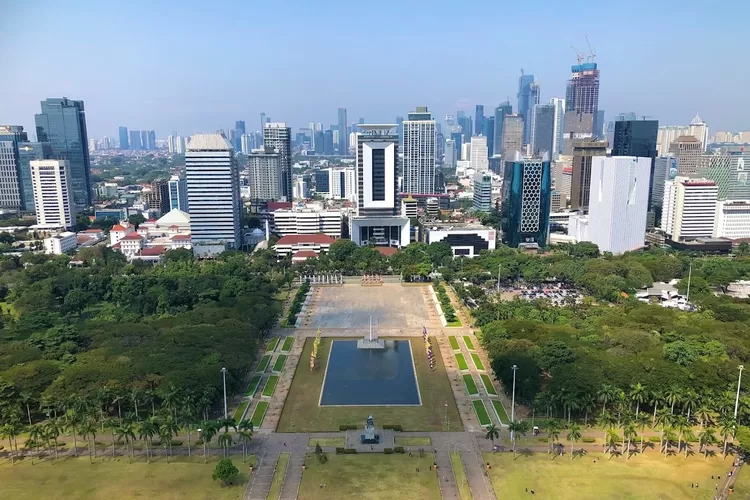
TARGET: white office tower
(699,130)
(377,220)
(342,182)
(618,202)
(451,153)
(689,208)
(482,191)
(557,133)
(53,199)
(732,219)
(278,137)
(479,161)
(178,193)
(420,148)
(264,175)
(213,187)
(466,152)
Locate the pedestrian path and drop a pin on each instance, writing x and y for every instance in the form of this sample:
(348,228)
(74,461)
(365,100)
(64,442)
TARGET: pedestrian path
(260,483)
(448,487)
(293,476)
(479,482)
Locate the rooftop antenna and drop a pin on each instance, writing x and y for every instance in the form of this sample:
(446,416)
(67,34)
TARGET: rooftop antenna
(592,54)
(579,56)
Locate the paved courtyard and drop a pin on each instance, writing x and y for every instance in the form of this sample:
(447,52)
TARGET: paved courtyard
(351,306)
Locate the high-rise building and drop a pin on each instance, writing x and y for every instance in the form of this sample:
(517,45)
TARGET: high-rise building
(451,153)
(265,179)
(27,152)
(135,139)
(328,144)
(688,151)
(527,188)
(618,202)
(558,134)
(145,140)
(479,120)
(178,194)
(528,97)
(466,126)
(156,196)
(323,182)
(512,134)
(581,104)
(343,133)
(53,193)
(732,219)
(400,125)
(665,169)
(583,153)
(342,183)
(62,123)
(123,133)
(503,110)
(458,139)
(377,221)
(213,190)
(637,138)
(689,208)
(543,129)
(699,130)
(11,183)
(478,154)
(483,192)
(278,137)
(262,121)
(728,168)
(420,145)
(489,133)
(319,142)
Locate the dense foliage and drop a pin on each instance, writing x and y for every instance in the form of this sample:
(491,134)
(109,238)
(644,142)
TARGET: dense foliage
(445,302)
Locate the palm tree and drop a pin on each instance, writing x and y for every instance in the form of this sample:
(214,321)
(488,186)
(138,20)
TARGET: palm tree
(52,429)
(226,423)
(680,425)
(188,411)
(126,431)
(74,425)
(688,436)
(103,398)
(703,414)
(135,394)
(706,438)
(588,403)
(146,431)
(111,424)
(655,399)
(9,431)
(36,434)
(622,405)
(669,437)
(574,434)
(225,441)
(689,401)
(611,440)
(629,431)
(605,421)
(727,429)
(553,434)
(672,395)
(638,395)
(492,433)
(208,431)
(26,400)
(88,431)
(169,429)
(171,399)
(517,427)
(606,394)
(642,421)
(663,419)
(245,430)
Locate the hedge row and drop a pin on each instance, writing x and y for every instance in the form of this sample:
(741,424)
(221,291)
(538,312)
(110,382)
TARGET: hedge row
(299,299)
(397,449)
(345,451)
(445,302)
(394,427)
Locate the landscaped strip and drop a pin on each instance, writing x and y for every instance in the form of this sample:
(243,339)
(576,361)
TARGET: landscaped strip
(445,304)
(468,342)
(279,364)
(263,365)
(240,412)
(477,362)
(296,307)
(288,343)
(413,441)
(278,477)
(253,386)
(454,343)
(272,344)
(460,474)
(461,362)
(270,386)
(259,413)
(338,442)
(488,384)
(481,411)
(500,412)
(471,386)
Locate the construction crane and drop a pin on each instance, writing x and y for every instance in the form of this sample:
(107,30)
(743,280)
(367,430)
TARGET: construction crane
(592,54)
(579,56)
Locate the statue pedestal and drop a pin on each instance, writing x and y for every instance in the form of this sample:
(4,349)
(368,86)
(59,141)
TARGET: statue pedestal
(370,344)
(369,437)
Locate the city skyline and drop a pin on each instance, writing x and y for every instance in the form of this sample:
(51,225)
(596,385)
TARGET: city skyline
(167,96)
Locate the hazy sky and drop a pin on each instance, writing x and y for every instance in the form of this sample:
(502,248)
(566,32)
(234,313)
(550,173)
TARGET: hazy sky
(193,66)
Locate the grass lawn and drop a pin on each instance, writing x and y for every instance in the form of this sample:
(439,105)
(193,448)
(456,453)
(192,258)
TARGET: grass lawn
(240,412)
(454,343)
(742,484)
(469,343)
(460,474)
(481,411)
(302,413)
(259,413)
(253,386)
(413,441)
(278,477)
(471,386)
(456,322)
(272,344)
(263,365)
(477,362)
(500,411)
(643,476)
(279,364)
(338,442)
(75,478)
(270,386)
(488,384)
(461,362)
(370,476)
(288,343)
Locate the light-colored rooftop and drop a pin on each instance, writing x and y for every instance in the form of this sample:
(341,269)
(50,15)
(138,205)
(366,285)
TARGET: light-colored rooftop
(209,142)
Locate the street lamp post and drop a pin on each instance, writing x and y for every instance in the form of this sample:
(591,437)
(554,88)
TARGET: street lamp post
(737,399)
(513,402)
(224,377)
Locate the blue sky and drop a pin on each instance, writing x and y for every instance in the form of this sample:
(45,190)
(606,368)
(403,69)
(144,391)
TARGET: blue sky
(193,66)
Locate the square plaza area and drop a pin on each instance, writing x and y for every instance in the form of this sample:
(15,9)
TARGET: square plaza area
(351,306)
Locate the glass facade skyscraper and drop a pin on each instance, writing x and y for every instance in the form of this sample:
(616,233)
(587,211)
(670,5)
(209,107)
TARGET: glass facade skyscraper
(528,97)
(62,123)
(637,138)
(503,110)
(28,152)
(527,190)
(123,133)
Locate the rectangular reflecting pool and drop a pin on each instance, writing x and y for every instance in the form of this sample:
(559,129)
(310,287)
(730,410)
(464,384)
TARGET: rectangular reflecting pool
(370,377)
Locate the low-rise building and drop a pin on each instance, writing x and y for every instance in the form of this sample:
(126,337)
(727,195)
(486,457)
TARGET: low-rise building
(287,222)
(732,219)
(465,239)
(119,231)
(293,243)
(60,243)
(131,245)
